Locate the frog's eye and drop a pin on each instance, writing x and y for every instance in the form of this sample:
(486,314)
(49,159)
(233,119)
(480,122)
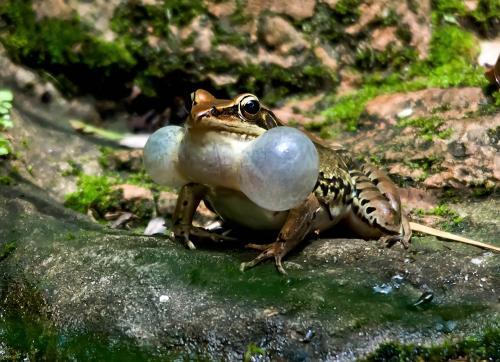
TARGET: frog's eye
(249,106)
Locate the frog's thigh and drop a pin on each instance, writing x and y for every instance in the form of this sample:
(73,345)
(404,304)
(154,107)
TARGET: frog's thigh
(376,207)
(372,210)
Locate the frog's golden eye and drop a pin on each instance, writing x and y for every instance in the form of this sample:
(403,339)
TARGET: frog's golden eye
(249,106)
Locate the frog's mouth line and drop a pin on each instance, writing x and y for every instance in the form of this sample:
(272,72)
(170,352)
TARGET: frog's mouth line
(244,133)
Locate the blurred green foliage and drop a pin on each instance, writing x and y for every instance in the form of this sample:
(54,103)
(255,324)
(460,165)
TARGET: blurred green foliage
(6,98)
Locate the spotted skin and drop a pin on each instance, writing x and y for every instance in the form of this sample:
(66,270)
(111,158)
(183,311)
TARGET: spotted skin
(377,204)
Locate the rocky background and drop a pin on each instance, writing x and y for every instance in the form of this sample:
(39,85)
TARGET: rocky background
(400,83)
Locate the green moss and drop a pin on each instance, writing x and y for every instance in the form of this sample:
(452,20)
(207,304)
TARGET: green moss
(451,219)
(494,135)
(445,211)
(96,193)
(348,10)
(6,98)
(393,57)
(27,335)
(485,346)
(429,165)
(64,48)
(325,24)
(450,42)
(93,192)
(348,109)
(142,179)
(6,180)
(427,127)
(6,249)
(104,156)
(5,147)
(74,169)
(483,190)
(253,353)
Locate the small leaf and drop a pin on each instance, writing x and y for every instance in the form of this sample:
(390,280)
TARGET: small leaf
(450,19)
(6,122)
(6,95)
(7,105)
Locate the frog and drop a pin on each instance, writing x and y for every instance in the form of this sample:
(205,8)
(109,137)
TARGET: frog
(361,198)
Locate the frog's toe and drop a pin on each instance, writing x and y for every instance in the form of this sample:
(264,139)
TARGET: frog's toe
(390,240)
(260,247)
(185,232)
(273,250)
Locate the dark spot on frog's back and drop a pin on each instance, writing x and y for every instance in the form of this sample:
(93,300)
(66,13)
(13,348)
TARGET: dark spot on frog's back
(370,209)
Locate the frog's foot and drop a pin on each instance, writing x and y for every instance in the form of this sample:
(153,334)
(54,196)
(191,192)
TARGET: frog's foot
(403,237)
(274,250)
(185,232)
(390,240)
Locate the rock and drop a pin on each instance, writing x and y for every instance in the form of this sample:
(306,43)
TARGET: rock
(297,9)
(130,160)
(220,9)
(200,29)
(97,14)
(166,203)
(116,284)
(222,79)
(280,34)
(326,56)
(135,199)
(466,156)
(52,8)
(330,3)
(413,198)
(451,102)
(299,110)
(350,80)
(416,20)
(381,38)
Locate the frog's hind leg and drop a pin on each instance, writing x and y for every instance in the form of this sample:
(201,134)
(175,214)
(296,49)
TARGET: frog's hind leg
(376,207)
(297,225)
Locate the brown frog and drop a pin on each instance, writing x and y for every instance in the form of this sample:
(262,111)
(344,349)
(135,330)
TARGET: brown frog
(363,198)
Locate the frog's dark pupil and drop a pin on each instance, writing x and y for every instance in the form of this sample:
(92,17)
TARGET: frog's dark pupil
(252,106)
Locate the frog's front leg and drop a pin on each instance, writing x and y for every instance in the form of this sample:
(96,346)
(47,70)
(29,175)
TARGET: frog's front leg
(298,224)
(188,200)
(376,208)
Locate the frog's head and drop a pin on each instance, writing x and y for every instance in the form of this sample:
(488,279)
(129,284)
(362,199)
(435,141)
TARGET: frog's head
(242,115)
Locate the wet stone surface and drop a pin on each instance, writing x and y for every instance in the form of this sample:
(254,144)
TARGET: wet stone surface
(83,278)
